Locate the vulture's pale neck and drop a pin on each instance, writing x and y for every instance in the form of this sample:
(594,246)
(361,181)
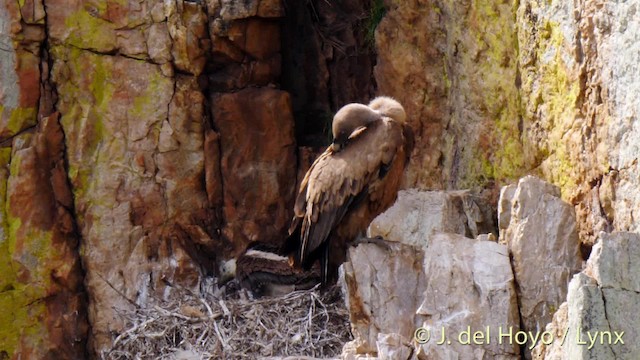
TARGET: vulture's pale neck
(389,107)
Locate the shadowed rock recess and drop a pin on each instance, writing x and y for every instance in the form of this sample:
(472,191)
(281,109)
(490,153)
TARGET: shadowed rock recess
(143,143)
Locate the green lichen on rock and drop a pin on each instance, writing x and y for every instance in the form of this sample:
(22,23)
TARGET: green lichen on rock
(479,73)
(85,79)
(551,89)
(146,102)
(7,273)
(100,123)
(100,87)
(20,320)
(562,94)
(17,119)
(22,118)
(29,244)
(445,76)
(90,31)
(24,255)
(501,98)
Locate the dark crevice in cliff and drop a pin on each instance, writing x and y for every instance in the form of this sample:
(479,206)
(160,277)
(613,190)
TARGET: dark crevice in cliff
(7,142)
(606,317)
(117,291)
(522,347)
(48,93)
(117,53)
(214,196)
(326,62)
(48,106)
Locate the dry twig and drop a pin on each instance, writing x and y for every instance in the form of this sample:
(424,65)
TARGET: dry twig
(217,326)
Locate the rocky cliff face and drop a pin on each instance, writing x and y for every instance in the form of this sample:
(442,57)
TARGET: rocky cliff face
(41,284)
(146,141)
(143,141)
(500,89)
(524,297)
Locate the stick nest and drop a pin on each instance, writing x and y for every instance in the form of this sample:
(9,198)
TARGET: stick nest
(226,323)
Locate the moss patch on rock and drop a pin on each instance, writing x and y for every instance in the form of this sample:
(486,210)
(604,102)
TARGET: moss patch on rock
(25,253)
(480,66)
(17,119)
(87,31)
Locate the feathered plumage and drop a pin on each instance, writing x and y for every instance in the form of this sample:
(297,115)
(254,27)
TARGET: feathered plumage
(350,183)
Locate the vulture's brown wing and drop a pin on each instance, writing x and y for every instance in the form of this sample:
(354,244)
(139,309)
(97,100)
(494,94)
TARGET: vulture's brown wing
(335,180)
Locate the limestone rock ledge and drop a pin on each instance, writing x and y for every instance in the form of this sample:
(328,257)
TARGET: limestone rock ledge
(428,279)
(457,284)
(601,302)
(543,244)
(372,280)
(470,286)
(416,215)
(432,277)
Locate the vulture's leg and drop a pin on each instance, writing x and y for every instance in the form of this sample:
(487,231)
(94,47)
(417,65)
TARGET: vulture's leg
(324,264)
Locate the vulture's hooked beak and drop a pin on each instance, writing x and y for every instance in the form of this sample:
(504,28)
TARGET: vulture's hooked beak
(341,141)
(339,144)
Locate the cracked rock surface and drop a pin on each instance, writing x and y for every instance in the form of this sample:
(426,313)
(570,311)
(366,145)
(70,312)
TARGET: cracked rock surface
(544,248)
(456,283)
(598,304)
(143,142)
(496,90)
(112,158)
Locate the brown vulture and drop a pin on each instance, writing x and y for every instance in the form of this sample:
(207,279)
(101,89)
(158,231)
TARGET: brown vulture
(354,180)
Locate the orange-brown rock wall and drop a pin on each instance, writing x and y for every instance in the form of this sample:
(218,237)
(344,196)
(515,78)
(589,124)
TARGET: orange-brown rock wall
(41,280)
(144,142)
